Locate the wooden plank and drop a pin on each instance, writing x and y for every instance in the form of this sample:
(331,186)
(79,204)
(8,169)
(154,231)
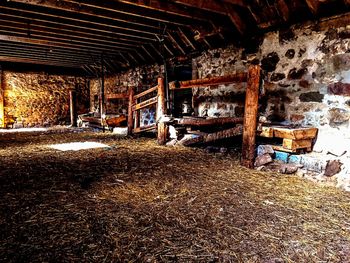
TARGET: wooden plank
(145,128)
(161,111)
(199,122)
(295,134)
(117,96)
(296,144)
(142,94)
(73,108)
(130,112)
(198,83)
(2,100)
(250,117)
(211,137)
(145,104)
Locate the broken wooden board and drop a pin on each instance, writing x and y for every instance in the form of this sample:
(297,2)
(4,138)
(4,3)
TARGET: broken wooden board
(152,127)
(210,137)
(199,122)
(295,134)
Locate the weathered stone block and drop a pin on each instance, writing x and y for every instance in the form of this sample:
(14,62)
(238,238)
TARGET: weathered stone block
(277,76)
(333,167)
(265,149)
(281,156)
(338,116)
(297,73)
(311,97)
(339,88)
(270,61)
(262,160)
(290,53)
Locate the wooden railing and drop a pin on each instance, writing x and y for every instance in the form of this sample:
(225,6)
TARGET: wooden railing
(136,104)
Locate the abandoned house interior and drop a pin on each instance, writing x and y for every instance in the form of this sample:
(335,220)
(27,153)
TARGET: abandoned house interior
(175,131)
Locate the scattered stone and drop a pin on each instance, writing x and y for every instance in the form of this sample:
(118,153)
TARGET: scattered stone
(338,116)
(223,150)
(212,149)
(265,149)
(333,167)
(262,160)
(290,53)
(172,142)
(289,168)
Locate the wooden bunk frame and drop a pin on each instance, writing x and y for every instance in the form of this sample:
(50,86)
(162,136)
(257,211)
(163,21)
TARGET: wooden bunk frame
(252,77)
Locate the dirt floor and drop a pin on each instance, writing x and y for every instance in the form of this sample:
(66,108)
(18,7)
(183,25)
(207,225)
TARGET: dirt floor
(138,202)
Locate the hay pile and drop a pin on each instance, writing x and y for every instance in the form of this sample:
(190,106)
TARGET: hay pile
(140,202)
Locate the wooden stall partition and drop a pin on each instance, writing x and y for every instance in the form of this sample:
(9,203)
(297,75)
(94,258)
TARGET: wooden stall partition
(2,112)
(73,108)
(161,112)
(130,112)
(250,116)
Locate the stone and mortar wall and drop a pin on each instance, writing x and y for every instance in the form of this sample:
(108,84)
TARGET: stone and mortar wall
(306,82)
(38,99)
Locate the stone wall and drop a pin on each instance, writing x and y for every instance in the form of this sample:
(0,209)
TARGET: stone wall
(306,81)
(39,99)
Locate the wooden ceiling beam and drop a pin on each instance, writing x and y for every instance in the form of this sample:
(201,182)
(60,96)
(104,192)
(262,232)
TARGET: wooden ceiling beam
(54,42)
(71,38)
(43,21)
(58,29)
(173,8)
(48,55)
(236,19)
(34,61)
(313,6)
(283,10)
(86,23)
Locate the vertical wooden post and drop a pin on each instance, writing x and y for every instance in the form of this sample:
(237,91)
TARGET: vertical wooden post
(130,113)
(73,108)
(2,100)
(250,116)
(161,111)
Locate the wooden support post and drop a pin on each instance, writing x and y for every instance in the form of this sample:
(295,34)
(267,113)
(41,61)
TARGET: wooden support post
(161,111)
(73,108)
(2,100)
(130,112)
(250,116)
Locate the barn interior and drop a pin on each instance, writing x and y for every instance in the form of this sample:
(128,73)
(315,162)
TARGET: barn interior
(177,130)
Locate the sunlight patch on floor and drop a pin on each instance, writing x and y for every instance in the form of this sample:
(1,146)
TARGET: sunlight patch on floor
(77,146)
(23,130)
